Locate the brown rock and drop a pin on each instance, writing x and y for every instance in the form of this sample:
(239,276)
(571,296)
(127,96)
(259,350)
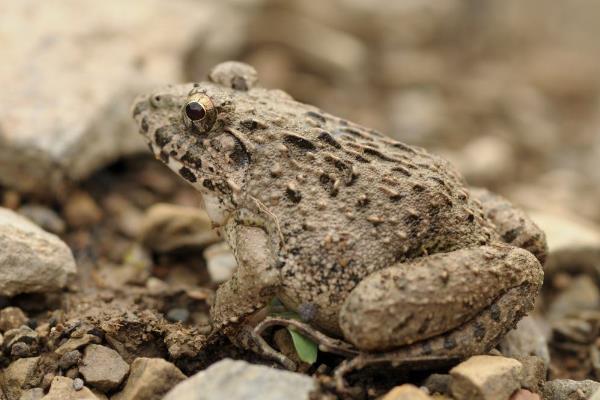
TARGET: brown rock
(76,343)
(11,318)
(406,392)
(103,368)
(485,378)
(150,379)
(62,388)
(81,210)
(19,375)
(524,394)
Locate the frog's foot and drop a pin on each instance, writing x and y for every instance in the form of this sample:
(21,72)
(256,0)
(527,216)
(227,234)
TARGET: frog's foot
(247,338)
(436,295)
(326,343)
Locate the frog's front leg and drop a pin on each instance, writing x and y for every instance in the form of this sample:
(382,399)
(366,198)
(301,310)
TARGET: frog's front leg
(449,304)
(250,288)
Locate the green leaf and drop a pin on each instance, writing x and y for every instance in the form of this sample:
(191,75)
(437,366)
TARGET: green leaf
(307,349)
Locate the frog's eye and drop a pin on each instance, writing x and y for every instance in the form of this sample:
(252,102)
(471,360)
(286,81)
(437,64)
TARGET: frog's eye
(199,112)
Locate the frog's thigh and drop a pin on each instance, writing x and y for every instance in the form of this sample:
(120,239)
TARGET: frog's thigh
(413,301)
(254,281)
(513,225)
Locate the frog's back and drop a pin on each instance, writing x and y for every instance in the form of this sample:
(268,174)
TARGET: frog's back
(348,201)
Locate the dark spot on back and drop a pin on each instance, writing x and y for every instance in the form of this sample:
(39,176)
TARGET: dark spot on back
(207,183)
(378,154)
(164,157)
(479,331)
(162,137)
(299,142)
(316,116)
(139,107)
(192,158)
(495,312)
(239,83)
(426,348)
(403,147)
(511,235)
(239,155)
(252,124)
(144,125)
(187,174)
(327,138)
(449,343)
(293,195)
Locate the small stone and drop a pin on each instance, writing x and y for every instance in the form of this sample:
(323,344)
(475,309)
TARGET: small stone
(69,359)
(562,389)
(72,373)
(23,339)
(534,373)
(32,259)
(63,388)
(485,378)
(19,374)
(11,318)
(77,384)
(168,227)
(524,394)
(178,315)
(32,394)
(150,379)
(229,379)
(44,217)
(81,210)
(76,343)
(103,368)
(406,392)
(438,383)
(220,262)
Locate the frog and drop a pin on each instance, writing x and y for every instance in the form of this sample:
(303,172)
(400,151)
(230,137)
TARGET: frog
(379,246)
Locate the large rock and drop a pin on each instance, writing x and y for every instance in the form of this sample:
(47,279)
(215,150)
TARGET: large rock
(150,379)
(103,368)
(561,389)
(235,380)
(74,69)
(31,259)
(19,375)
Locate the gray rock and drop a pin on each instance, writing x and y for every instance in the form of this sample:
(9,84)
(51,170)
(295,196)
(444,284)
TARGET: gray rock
(64,110)
(62,388)
(527,339)
(69,359)
(561,389)
(150,379)
(229,379)
(103,368)
(31,260)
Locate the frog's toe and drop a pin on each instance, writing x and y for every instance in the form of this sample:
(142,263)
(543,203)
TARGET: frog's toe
(410,302)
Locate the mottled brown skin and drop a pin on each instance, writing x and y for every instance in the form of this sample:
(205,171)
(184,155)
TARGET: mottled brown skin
(364,236)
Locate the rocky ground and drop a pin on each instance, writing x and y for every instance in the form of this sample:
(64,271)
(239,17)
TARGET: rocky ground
(108,265)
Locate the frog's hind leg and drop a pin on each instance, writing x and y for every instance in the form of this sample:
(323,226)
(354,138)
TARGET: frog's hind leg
(466,298)
(512,224)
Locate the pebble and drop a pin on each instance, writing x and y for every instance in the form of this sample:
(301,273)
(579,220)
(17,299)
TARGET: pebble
(18,375)
(63,388)
(406,392)
(168,227)
(77,384)
(102,367)
(562,389)
(220,262)
(11,318)
(81,210)
(22,339)
(32,259)
(485,378)
(76,343)
(178,315)
(69,359)
(438,383)
(81,101)
(229,379)
(44,217)
(150,379)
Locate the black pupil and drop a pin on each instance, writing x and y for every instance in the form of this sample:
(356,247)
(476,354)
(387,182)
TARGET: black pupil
(195,111)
